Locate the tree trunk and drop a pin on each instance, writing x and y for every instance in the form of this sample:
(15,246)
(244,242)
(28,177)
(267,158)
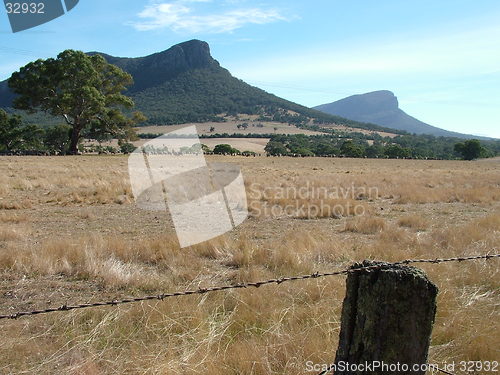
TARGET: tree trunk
(75,138)
(387,318)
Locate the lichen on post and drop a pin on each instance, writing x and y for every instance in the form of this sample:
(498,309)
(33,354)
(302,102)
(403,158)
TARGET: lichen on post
(387,319)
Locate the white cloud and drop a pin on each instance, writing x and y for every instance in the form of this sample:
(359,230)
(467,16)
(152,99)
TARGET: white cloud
(179,17)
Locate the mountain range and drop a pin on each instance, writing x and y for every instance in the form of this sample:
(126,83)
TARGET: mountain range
(186,84)
(382,108)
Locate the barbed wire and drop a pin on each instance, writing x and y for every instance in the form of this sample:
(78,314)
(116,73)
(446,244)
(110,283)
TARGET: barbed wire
(256,284)
(332,366)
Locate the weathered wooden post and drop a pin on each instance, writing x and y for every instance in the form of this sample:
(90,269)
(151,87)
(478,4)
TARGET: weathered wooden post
(387,319)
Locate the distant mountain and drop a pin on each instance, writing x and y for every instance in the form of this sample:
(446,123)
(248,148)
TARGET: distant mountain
(382,108)
(186,84)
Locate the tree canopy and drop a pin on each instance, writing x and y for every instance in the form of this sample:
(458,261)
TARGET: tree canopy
(84,90)
(225,149)
(470,149)
(16,136)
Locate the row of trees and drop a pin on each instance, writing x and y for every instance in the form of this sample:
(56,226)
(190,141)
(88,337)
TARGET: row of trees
(330,145)
(15,136)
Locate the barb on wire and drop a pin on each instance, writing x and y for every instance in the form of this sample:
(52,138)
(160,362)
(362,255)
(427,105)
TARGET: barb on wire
(441,370)
(243,285)
(328,370)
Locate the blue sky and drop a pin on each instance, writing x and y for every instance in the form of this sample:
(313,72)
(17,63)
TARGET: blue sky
(440,58)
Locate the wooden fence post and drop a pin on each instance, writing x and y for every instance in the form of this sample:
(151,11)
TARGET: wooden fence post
(387,319)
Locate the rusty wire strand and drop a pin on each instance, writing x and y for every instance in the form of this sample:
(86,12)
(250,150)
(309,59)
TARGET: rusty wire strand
(243,285)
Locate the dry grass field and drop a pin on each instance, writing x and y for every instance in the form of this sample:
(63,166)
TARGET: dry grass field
(70,232)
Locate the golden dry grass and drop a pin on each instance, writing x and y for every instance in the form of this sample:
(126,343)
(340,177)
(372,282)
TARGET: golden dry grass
(416,222)
(8,217)
(365,225)
(9,234)
(67,183)
(83,239)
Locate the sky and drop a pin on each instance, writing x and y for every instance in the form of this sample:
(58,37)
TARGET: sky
(440,58)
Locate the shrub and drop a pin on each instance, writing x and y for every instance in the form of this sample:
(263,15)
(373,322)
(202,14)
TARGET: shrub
(225,149)
(127,148)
